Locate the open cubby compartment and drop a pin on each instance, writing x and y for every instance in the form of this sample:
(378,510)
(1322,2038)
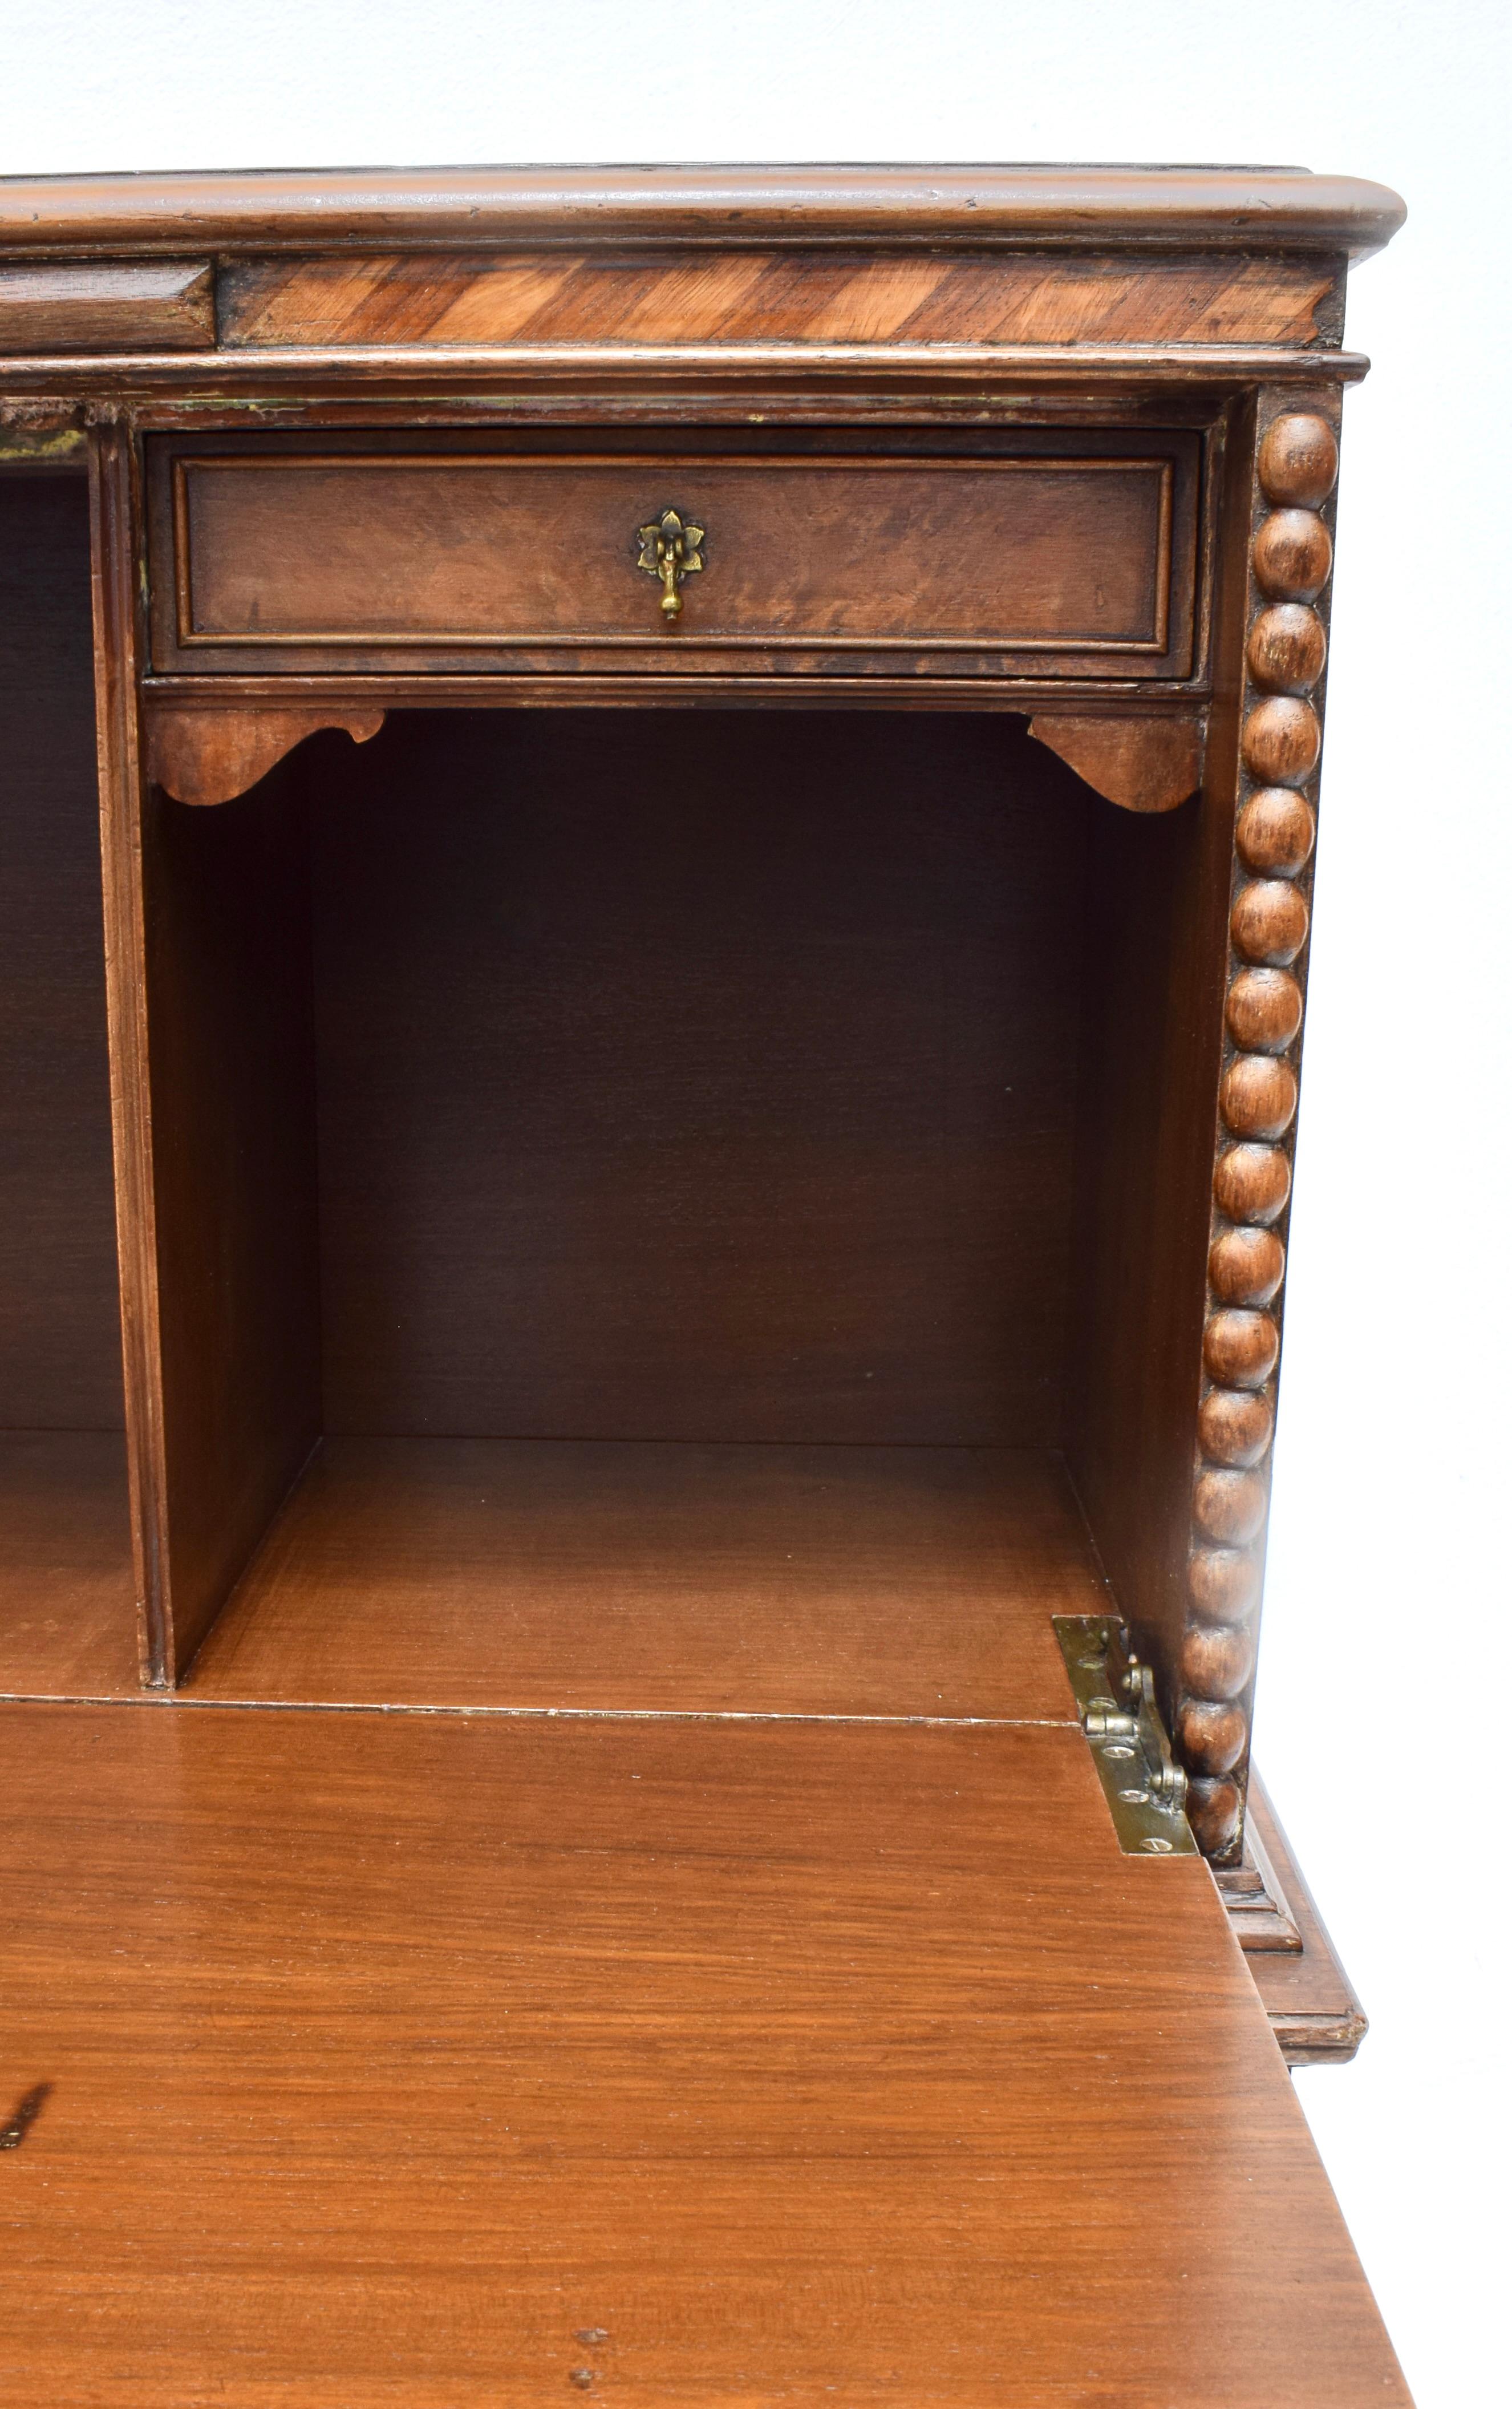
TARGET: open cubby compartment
(68,1616)
(670,1211)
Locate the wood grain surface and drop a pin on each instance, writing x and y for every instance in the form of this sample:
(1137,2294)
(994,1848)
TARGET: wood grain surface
(437,2062)
(553,297)
(541,1574)
(67,1600)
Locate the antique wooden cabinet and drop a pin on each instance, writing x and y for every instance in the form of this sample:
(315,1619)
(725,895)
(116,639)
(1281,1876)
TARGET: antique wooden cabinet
(708,788)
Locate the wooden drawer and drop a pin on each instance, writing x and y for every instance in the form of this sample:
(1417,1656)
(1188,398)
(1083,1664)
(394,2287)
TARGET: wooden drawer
(1076,562)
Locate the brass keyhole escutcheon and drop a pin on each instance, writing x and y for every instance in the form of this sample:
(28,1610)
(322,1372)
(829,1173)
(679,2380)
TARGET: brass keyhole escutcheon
(670,551)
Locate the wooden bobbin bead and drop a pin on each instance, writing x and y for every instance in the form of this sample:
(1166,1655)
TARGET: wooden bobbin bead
(1217,1664)
(1240,1349)
(1247,1266)
(1292,556)
(1251,1183)
(1229,1506)
(1224,1584)
(1233,1426)
(1275,832)
(1286,648)
(1263,1010)
(1213,1738)
(1214,1809)
(1268,922)
(1282,741)
(1299,459)
(1258,1096)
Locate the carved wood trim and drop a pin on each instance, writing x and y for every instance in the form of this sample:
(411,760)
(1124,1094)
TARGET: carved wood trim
(212,756)
(1142,765)
(1296,464)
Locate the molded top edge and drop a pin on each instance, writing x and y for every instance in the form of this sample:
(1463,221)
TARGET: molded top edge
(1272,208)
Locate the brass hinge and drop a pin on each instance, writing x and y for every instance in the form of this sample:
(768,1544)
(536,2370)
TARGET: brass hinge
(1143,1785)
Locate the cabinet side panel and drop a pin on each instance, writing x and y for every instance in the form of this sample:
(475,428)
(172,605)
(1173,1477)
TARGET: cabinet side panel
(1158,891)
(1152,1052)
(231,1056)
(60,1339)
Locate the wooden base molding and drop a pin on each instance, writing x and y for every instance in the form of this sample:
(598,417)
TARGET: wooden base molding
(1315,2014)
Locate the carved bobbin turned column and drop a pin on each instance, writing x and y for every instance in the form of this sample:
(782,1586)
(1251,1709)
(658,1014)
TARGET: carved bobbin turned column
(1291,552)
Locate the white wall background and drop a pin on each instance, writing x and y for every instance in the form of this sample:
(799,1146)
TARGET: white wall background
(1385,1667)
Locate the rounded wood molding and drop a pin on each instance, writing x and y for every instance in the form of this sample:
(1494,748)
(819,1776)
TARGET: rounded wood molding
(1287,648)
(1240,1348)
(1264,1010)
(1252,1183)
(1234,1426)
(1258,1096)
(1230,1507)
(1214,1811)
(1269,922)
(1224,1584)
(1275,832)
(1297,461)
(1213,1738)
(1282,741)
(1293,554)
(1217,1663)
(1246,1266)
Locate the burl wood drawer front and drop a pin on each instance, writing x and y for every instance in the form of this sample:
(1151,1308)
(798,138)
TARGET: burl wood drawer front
(1074,564)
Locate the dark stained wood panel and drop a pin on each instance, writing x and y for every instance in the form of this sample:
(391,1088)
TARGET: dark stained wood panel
(60,1329)
(692,1580)
(280,557)
(227,971)
(67,1599)
(440,2062)
(713,1084)
(554,297)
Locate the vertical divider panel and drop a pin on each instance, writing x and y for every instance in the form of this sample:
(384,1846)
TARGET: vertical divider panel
(212,1084)
(113,553)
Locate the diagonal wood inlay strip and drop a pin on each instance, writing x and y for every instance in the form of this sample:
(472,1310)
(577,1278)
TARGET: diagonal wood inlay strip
(743,296)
